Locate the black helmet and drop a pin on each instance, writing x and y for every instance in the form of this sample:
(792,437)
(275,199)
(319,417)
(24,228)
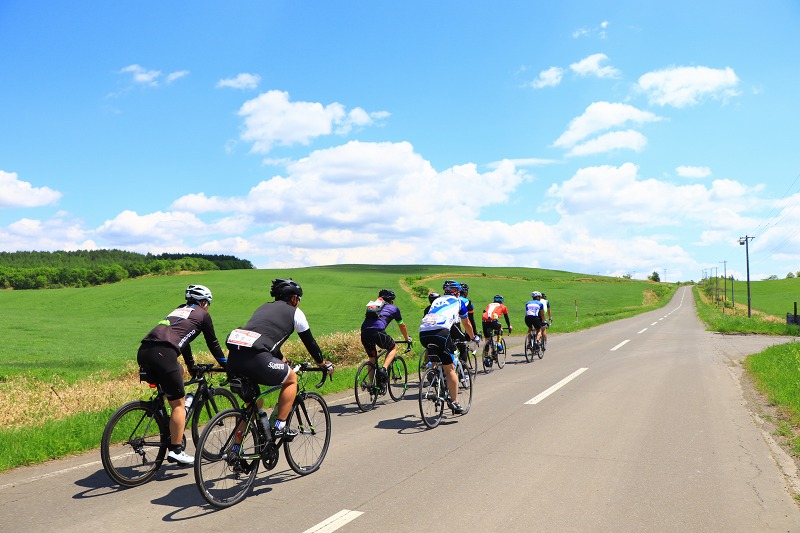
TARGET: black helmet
(283,289)
(387,294)
(464,289)
(432,296)
(498,298)
(451,286)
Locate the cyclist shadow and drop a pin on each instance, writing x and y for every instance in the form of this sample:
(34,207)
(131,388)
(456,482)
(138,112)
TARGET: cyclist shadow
(348,409)
(404,425)
(99,484)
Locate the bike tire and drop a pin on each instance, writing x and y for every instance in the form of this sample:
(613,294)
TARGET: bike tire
(466,386)
(501,354)
(218,399)
(540,353)
(472,363)
(142,431)
(431,398)
(398,378)
(528,350)
(365,387)
(223,476)
(487,354)
(311,418)
(423,360)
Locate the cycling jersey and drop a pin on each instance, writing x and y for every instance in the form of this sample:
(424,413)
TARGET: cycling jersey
(388,313)
(182,326)
(470,312)
(445,312)
(533,307)
(493,311)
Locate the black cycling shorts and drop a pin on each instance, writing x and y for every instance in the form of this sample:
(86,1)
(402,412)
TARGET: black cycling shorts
(443,344)
(161,363)
(533,320)
(373,337)
(490,327)
(261,367)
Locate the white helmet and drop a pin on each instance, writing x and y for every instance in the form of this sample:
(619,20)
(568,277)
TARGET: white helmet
(198,293)
(536,294)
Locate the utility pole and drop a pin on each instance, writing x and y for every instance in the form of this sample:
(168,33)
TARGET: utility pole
(724,283)
(745,241)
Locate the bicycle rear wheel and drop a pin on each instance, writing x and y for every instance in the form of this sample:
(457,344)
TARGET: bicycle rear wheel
(528,349)
(398,378)
(487,356)
(311,418)
(501,354)
(366,389)
(466,385)
(218,399)
(224,476)
(143,433)
(431,398)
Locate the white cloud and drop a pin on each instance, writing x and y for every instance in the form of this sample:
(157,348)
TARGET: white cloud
(614,140)
(600,31)
(271,119)
(17,193)
(150,78)
(524,162)
(57,233)
(601,116)
(685,86)
(548,78)
(590,66)
(174,76)
(693,172)
(241,81)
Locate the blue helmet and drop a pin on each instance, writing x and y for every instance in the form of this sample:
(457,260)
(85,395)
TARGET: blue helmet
(451,286)
(498,298)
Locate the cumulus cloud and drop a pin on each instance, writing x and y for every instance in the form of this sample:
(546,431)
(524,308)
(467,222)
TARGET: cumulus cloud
(614,140)
(693,172)
(271,119)
(57,233)
(590,66)
(548,78)
(686,86)
(602,116)
(17,193)
(241,81)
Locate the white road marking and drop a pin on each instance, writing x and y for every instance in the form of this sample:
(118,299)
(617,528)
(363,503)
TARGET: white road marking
(654,323)
(49,474)
(334,522)
(641,331)
(620,345)
(541,396)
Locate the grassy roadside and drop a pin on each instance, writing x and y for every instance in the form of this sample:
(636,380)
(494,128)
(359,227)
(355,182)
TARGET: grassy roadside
(775,372)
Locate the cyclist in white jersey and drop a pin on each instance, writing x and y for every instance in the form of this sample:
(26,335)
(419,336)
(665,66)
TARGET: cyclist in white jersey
(549,319)
(534,315)
(440,328)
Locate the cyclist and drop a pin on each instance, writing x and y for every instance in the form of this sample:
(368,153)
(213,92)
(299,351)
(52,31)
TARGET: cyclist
(491,319)
(440,328)
(431,297)
(470,307)
(534,315)
(255,349)
(549,320)
(373,333)
(158,356)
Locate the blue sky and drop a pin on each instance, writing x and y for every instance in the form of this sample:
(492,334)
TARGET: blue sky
(598,137)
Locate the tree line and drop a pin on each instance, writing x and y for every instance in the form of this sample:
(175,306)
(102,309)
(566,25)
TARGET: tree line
(82,268)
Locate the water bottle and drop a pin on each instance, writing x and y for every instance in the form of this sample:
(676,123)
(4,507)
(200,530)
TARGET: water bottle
(263,419)
(189,400)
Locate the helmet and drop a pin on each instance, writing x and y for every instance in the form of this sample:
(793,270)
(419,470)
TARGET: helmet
(387,294)
(283,289)
(432,296)
(451,286)
(544,296)
(498,298)
(198,293)
(464,289)
(536,294)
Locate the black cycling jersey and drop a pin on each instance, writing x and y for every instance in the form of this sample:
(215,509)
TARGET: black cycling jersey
(181,327)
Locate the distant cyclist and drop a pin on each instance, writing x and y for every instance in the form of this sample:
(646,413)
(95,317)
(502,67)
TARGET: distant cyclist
(491,316)
(373,333)
(255,349)
(549,319)
(470,307)
(440,328)
(158,356)
(431,297)
(534,315)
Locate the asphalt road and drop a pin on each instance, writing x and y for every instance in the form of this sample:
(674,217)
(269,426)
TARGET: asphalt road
(639,425)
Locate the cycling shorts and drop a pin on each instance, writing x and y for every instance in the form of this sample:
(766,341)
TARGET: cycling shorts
(259,366)
(373,338)
(533,320)
(161,363)
(443,344)
(490,327)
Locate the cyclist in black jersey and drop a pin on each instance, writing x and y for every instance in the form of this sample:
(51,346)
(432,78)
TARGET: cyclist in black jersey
(431,297)
(158,355)
(470,307)
(255,349)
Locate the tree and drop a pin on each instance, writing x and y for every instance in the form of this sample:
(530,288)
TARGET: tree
(654,276)
(790,275)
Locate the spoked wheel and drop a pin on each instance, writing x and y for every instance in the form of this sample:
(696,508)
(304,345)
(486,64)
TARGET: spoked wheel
(365,388)
(423,361)
(466,385)
(223,475)
(311,419)
(501,354)
(472,363)
(541,348)
(431,398)
(488,357)
(142,434)
(528,349)
(398,378)
(218,399)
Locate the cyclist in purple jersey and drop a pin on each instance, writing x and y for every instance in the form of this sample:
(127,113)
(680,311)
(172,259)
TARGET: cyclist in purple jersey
(158,356)
(373,333)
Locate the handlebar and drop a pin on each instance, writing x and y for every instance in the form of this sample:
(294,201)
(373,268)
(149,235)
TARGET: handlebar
(307,367)
(202,369)
(409,344)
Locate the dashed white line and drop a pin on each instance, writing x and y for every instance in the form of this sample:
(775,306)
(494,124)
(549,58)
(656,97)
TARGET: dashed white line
(654,323)
(620,345)
(49,474)
(641,331)
(334,522)
(541,396)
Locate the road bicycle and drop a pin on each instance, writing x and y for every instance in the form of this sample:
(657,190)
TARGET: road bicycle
(136,437)
(367,389)
(235,441)
(434,393)
(471,361)
(533,347)
(494,350)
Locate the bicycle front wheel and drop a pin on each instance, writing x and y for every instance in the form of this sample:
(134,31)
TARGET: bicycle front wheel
(466,385)
(142,434)
(222,474)
(501,354)
(487,357)
(311,418)
(528,349)
(431,398)
(423,362)
(472,363)
(541,348)
(218,399)
(398,378)
(366,389)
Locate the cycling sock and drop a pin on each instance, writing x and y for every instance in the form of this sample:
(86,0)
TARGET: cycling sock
(279,424)
(177,448)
